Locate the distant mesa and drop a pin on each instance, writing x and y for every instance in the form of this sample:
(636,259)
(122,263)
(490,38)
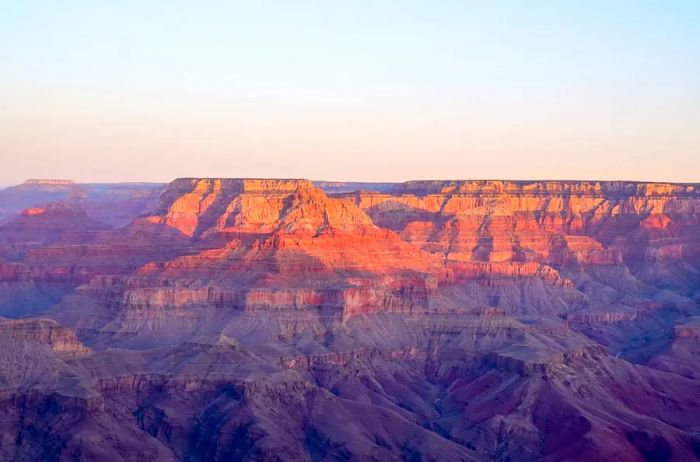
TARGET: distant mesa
(52,207)
(48,182)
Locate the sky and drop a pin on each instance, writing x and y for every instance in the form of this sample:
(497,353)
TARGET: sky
(370,90)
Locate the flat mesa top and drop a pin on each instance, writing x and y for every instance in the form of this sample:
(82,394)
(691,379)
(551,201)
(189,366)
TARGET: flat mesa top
(480,187)
(48,182)
(241,184)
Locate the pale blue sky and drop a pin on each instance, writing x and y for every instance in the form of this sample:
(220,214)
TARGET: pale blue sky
(363,90)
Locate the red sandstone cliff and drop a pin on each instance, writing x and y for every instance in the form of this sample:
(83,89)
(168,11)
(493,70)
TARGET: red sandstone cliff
(245,318)
(549,222)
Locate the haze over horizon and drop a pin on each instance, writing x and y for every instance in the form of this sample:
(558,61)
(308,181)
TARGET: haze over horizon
(364,92)
(339,181)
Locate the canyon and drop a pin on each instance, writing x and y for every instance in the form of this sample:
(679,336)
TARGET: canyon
(288,319)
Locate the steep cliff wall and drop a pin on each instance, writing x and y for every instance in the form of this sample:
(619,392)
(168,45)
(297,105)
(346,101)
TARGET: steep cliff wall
(266,244)
(42,331)
(559,223)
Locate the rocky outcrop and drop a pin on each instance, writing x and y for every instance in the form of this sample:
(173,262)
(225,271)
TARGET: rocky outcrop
(43,331)
(558,223)
(342,358)
(688,330)
(527,362)
(283,244)
(204,206)
(54,223)
(604,317)
(483,271)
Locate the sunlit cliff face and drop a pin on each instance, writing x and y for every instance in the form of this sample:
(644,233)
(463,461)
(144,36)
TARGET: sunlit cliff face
(453,320)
